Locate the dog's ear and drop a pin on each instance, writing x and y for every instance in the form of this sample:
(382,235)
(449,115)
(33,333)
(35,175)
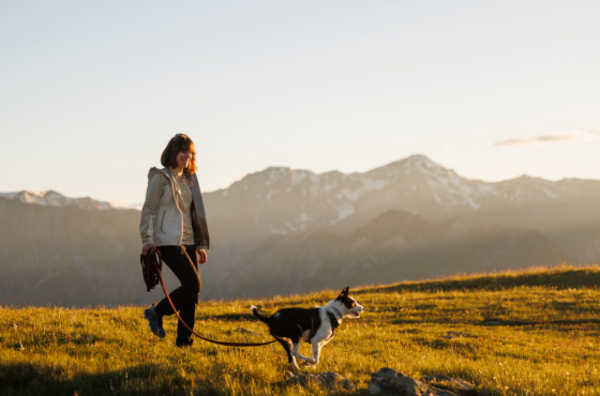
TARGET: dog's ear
(345,291)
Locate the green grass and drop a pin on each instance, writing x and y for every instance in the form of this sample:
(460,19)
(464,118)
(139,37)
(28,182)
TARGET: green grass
(546,341)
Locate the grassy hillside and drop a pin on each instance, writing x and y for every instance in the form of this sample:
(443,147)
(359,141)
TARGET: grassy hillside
(538,333)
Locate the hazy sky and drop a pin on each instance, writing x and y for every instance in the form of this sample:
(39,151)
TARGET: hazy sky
(91,92)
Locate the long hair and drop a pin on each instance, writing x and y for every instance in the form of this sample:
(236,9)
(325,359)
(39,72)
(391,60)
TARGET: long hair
(180,143)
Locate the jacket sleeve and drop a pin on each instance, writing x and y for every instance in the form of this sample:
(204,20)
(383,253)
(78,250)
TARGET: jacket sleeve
(153,193)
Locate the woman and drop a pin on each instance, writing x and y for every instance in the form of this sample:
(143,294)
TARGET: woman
(174,222)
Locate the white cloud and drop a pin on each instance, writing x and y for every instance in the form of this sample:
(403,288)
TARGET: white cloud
(551,138)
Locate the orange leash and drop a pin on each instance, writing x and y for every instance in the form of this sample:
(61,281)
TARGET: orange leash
(151,272)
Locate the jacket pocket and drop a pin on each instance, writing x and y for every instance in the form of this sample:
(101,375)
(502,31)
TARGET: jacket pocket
(162,223)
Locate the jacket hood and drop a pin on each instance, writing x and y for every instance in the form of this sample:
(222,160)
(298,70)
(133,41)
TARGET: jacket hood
(165,173)
(153,171)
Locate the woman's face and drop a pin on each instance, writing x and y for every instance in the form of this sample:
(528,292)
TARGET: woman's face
(184,158)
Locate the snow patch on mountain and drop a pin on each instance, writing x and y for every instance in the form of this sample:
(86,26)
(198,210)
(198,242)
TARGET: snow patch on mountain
(298,176)
(275,173)
(53,198)
(277,231)
(419,162)
(346,210)
(271,193)
(549,193)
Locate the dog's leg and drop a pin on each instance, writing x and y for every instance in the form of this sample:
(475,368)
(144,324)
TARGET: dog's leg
(316,349)
(296,351)
(322,344)
(286,344)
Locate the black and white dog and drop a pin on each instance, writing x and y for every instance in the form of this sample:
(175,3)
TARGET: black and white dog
(314,325)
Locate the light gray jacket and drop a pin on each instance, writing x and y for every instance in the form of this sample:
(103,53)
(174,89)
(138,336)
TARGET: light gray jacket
(161,222)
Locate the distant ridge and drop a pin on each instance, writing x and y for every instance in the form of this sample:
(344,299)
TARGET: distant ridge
(53,198)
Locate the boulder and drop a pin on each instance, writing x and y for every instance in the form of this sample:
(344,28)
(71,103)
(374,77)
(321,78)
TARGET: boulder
(327,380)
(390,382)
(456,385)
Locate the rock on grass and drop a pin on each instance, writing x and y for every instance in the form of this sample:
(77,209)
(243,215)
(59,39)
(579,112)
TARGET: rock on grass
(390,382)
(456,385)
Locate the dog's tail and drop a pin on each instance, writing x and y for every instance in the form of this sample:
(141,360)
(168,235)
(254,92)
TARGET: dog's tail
(259,316)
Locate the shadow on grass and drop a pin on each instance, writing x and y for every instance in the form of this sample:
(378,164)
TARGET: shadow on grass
(145,379)
(508,322)
(498,322)
(408,321)
(469,375)
(287,386)
(560,279)
(229,317)
(61,338)
(465,345)
(410,331)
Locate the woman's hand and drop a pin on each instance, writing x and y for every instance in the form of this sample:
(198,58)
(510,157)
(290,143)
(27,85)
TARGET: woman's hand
(147,247)
(202,256)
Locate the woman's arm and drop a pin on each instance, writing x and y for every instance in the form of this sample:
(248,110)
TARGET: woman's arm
(153,193)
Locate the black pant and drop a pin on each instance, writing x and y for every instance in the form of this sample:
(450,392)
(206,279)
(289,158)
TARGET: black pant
(185,297)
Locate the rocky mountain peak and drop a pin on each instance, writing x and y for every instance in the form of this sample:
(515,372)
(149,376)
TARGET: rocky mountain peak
(417,165)
(420,161)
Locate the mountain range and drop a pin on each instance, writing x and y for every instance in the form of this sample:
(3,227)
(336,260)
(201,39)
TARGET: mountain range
(53,198)
(282,231)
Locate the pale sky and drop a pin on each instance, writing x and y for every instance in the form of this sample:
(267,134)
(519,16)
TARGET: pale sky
(91,92)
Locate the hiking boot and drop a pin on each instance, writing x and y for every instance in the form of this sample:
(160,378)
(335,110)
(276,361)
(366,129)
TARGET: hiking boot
(184,342)
(155,321)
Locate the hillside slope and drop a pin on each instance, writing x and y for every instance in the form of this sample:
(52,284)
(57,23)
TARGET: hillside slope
(532,333)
